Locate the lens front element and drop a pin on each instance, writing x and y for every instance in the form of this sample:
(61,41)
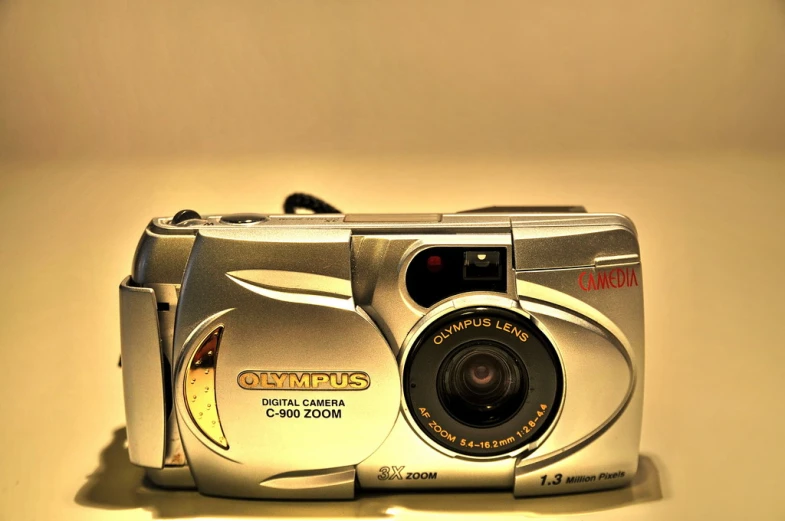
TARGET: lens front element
(482,384)
(482,381)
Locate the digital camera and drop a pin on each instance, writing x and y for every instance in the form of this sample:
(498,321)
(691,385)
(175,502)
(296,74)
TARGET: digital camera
(306,356)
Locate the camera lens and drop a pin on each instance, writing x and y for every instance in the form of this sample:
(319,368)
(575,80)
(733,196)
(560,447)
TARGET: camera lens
(481,384)
(481,381)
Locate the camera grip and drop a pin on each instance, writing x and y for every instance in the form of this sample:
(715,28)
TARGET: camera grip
(143,377)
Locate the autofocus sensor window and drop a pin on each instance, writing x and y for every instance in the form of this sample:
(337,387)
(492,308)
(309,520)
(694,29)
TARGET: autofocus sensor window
(482,381)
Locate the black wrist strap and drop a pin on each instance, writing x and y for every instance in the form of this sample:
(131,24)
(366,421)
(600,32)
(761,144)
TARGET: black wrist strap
(307,202)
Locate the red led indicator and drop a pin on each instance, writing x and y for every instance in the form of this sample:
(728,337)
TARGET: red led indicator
(434,264)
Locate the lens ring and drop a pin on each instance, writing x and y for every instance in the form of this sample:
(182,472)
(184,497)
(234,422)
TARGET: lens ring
(427,359)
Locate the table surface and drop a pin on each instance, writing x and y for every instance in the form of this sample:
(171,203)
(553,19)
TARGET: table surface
(712,232)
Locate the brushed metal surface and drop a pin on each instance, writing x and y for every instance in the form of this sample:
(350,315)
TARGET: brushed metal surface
(296,287)
(567,246)
(599,430)
(178,477)
(271,334)
(319,484)
(143,380)
(162,254)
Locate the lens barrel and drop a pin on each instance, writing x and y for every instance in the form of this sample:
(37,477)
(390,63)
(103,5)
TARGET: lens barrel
(482,381)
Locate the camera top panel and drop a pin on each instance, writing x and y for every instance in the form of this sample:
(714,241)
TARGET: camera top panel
(401,223)
(539,240)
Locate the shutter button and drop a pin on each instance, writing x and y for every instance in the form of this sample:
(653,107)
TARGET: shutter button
(188,218)
(243,218)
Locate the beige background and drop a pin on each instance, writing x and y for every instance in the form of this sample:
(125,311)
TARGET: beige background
(671,112)
(184,78)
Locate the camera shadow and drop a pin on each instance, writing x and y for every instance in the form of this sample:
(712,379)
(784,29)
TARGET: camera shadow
(118,485)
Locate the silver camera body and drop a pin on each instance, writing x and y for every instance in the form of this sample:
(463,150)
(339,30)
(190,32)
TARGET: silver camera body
(302,356)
